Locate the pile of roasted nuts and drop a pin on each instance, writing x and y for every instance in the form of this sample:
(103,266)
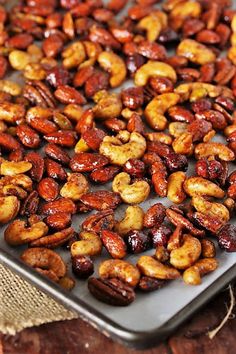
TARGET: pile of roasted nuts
(71,53)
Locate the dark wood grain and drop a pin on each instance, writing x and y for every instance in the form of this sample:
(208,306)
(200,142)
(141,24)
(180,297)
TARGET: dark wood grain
(77,337)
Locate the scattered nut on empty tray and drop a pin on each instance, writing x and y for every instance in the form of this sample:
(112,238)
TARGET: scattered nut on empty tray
(70,53)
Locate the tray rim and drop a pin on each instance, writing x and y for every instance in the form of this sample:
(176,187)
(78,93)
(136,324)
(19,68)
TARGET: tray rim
(134,339)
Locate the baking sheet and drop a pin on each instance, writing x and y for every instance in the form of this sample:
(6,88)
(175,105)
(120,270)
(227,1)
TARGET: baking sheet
(151,316)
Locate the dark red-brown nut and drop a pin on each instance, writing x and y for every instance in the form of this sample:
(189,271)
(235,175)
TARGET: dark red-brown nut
(86,162)
(30,204)
(216,118)
(192,26)
(28,136)
(48,189)
(209,169)
(52,45)
(148,284)
(103,220)
(152,50)
(66,138)
(67,94)
(55,170)
(227,238)
(19,41)
(16,155)
(82,75)
(168,35)
(207,72)
(231,192)
(137,242)
(208,37)
(154,216)
(82,266)
(58,76)
(101,200)
(55,152)
(159,178)
(135,124)
(104,174)
(114,244)
(160,235)
(225,102)
(3,66)
(199,128)
(161,84)
(58,221)
(93,138)
(132,97)
(133,63)
(37,162)
(135,168)
(62,205)
(103,37)
(8,142)
(188,74)
(232,178)
(180,114)
(99,80)
(114,124)
(209,223)
(111,291)
(200,105)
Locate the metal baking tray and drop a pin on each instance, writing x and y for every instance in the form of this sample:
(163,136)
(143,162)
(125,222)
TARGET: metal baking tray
(151,317)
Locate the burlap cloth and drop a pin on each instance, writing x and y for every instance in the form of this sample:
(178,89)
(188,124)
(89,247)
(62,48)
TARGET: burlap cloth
(22,305)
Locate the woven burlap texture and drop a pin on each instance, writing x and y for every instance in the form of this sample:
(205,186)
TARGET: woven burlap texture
(22,305)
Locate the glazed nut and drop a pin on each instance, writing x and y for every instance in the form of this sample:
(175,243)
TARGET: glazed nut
(108,105)
(101,200)
(152,69)
(133,220)
(114,244)
(153,24)
(115,65)
(186,255)
(192,275)
(74,55)
(123,270)
(9,208)
(175,190)
(131,193)
(214,149)
(119,153)
(197,90)
(89,244)
(183,10)
(211,209)
(183,144)
(55,240)
(12,168)
(162,254)
(195,52)
(200,186)
(17,233)
(19,59)
(10,87)
(153,268)
(45,261)
(155,110)
(208,248)
(178,219)
(75,187)
(154,216)
(11,112)
(82,266)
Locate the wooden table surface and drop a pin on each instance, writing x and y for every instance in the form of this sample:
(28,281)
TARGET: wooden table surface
(77,337)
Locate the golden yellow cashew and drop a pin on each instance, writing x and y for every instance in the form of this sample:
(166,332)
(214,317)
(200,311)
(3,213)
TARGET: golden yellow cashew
(192,275)
(10,112)
(186,255)
(154,111)
(19,59)
(153,68)
(17,233)
(160,136)
(208,248)
(133,220)
(200,186)
(74,55)
(196,90)
(214,149)
(175,191)
(153,268)
(115,65)
(10,87)
(119,153)
(134,193)
(20,180)
(75,187)
(108,105)
(12,168)
(89,244)
(212,209)
(92,51)
(34,71)
(183,144)
(9,208)
(153,24)
(116,268)
(177,128)
(81,146)
(184,10)
(195,52)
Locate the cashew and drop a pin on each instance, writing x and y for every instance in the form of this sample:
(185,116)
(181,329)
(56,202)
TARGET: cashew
(183,144)
(17,233)
(123,270)
(134,193)
(45,261)
(214,149)
(10,87)
(10,112)
(175,191)
(9,208)
(115,65)
(21,180)
(192,275)
(133,220)
(119,153)
(81,146)
(153,268)
(196,52)
(201,186)
(19,59)
(153,24)
(186,255)
(162,254)
(34,71)
(108,105)
(177,128)
(55,240)
(75,187)
(184,10)
(191,90)
(73,55)
(208,248)
(160,136)
(90,244)
(12,168)
(154,111)
(92,50)
(154,68)
(215,210)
